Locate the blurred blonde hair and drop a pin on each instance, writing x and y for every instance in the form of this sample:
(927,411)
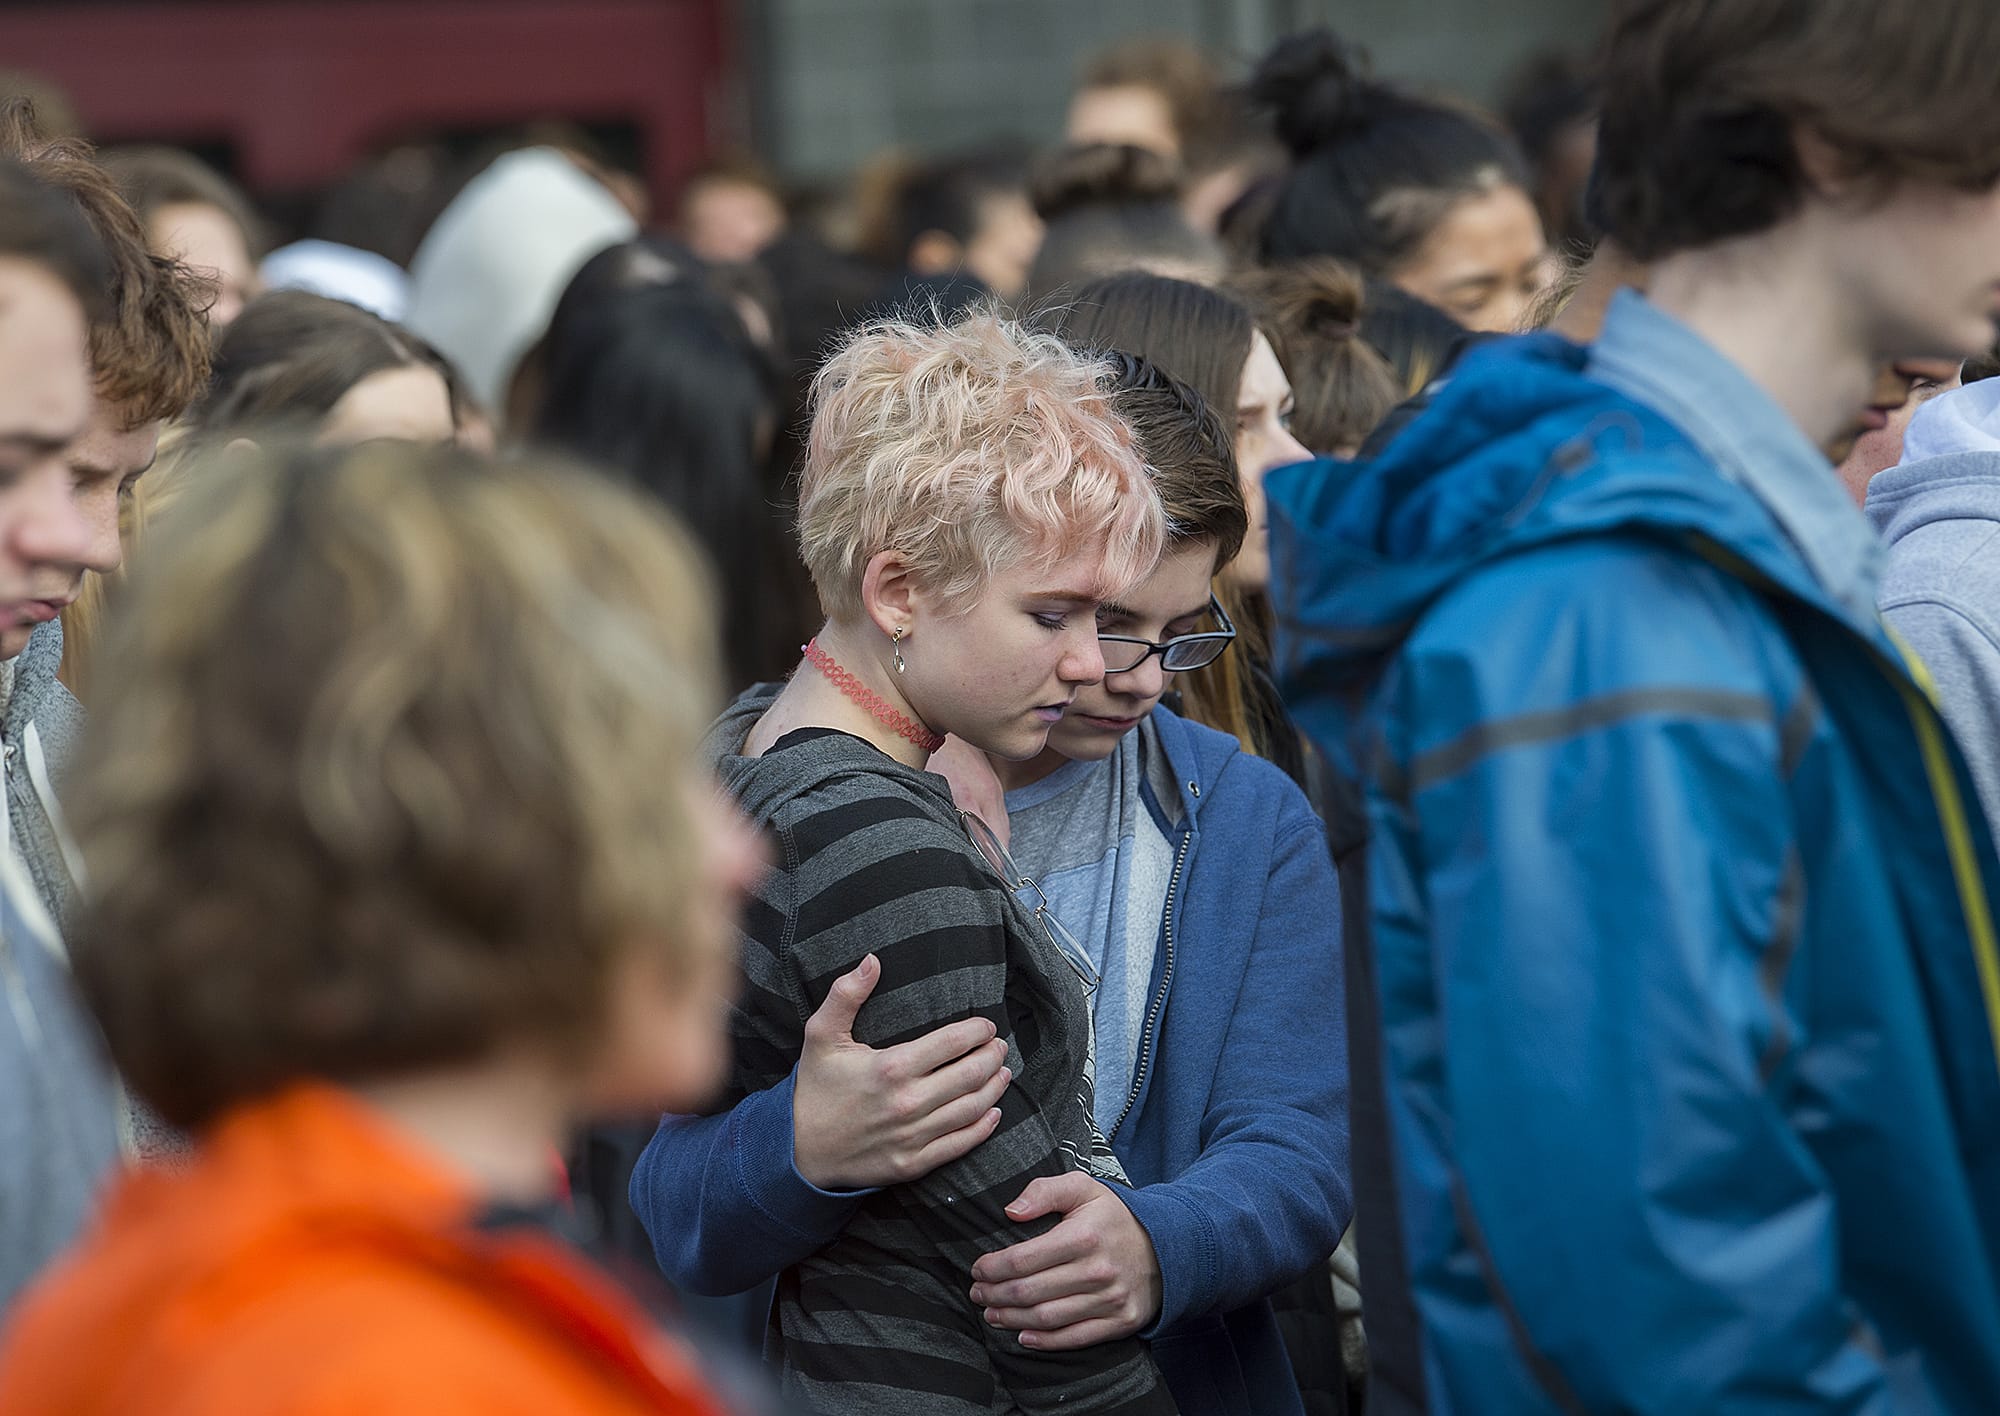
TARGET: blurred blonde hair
(970,449)
(388,766)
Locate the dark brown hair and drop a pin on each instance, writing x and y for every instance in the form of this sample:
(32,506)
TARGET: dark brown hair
(1111,207)
(38,226)
(155,177)
(390,768)
(290,357)
(1197,335)
(1313,312)
(1188,450)
(150,350)
(1702,98)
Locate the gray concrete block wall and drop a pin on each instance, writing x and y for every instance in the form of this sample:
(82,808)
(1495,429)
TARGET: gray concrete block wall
(837,80)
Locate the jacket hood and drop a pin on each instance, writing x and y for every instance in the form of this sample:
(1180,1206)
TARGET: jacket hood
(725,735)
(307,1229)
(1962,420)
(1196,754)
(487,277)
(1520,449)
(31,680)
(1950,469)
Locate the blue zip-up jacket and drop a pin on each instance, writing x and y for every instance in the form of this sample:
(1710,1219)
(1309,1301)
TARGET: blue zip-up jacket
(1680,907)
(1236,1133)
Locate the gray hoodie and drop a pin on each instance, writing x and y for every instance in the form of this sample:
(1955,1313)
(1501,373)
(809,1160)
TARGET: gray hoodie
(40,722)
(1939,512)
(59,1108)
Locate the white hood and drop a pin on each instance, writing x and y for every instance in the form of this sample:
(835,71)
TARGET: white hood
(487,277)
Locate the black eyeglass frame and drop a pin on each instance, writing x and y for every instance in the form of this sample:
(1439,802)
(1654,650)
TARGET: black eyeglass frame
(1222,638)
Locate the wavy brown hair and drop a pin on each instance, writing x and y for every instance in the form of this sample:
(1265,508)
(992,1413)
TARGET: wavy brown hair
(149,348)
(387,770)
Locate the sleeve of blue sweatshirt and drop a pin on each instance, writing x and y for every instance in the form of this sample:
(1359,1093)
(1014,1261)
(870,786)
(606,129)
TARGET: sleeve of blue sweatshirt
(723,1201)
(1588,899)
(1269,1195)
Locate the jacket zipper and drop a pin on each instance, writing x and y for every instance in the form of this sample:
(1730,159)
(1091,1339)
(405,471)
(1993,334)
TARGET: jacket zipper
(1160,997)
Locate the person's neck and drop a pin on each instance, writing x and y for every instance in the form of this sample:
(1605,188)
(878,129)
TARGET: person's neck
(501,1124)
(1015,775)
(1766,304)
(813,700)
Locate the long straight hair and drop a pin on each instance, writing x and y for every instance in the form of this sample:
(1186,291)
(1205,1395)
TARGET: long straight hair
(1203,338)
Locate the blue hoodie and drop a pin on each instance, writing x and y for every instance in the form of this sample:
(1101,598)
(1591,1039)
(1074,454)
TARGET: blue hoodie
(1236,1143)
(1687,978)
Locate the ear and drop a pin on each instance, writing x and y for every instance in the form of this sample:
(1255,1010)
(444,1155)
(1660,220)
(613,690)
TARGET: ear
(890,596)
(935,253)
(1825,168)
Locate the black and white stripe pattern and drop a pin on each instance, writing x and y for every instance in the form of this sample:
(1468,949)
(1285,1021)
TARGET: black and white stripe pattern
(872,858)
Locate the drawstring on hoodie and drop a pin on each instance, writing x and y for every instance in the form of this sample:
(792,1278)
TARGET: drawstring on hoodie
(45,793)
(27,901)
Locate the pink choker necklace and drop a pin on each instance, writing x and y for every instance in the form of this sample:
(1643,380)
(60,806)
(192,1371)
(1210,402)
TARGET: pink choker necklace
(855,689)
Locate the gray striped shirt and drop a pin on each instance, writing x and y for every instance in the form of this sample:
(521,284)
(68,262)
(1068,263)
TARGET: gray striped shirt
(871,857)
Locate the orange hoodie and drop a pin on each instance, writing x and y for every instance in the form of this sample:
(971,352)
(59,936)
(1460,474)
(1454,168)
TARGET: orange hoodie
(309,1261)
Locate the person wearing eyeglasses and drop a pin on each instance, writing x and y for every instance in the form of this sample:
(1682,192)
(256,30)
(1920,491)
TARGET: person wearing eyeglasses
(1198,879)
(1193,881)
(968,500)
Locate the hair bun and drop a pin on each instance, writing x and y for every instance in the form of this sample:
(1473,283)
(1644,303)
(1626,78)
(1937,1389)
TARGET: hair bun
(1319,296)
(1102,174)
(1317,88)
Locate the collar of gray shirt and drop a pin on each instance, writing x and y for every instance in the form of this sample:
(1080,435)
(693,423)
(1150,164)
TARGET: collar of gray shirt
(1651,357)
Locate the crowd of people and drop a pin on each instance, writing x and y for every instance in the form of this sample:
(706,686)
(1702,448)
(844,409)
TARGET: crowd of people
(1319,753)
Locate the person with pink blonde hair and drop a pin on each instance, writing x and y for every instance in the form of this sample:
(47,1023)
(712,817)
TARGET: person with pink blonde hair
(969,499)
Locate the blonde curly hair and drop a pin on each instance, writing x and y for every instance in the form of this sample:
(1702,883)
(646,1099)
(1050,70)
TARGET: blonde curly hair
(970,449)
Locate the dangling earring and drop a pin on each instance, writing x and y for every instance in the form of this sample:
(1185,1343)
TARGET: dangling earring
(896,641)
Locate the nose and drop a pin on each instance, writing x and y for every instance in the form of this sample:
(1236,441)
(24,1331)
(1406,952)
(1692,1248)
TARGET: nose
(1083,661)
(1147,680)
(49,528)
(107,547)
(1285,450)
(1509,314)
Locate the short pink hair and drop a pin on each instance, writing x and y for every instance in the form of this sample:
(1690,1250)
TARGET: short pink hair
(969,449)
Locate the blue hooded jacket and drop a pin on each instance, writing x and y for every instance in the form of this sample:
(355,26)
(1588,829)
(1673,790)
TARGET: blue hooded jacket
(1236,1136)
(1679,907)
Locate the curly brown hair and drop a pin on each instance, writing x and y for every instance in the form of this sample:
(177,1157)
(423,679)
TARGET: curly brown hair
(389,770)
(150,348)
